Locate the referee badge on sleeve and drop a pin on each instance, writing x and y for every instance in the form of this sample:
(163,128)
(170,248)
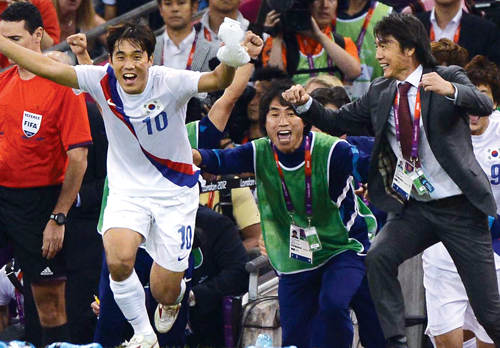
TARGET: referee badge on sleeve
(31,123)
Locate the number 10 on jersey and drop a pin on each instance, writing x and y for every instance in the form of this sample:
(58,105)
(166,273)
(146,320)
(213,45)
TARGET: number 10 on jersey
(161,122)
(186,236)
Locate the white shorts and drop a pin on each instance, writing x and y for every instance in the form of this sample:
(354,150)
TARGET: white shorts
(167,224)
(448,306)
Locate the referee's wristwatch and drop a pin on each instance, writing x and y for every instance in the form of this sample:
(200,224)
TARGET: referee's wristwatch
(59,218)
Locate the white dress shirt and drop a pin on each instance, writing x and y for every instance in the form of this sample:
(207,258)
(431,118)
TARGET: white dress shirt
(212,36)
(176,57)
(443,184)
(435,174)
(451,28)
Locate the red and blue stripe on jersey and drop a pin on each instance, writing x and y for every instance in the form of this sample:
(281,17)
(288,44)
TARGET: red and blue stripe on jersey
(181,174)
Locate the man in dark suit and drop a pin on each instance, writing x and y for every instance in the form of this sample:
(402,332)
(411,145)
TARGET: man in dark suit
(434,142)
(476,34)
(180,46)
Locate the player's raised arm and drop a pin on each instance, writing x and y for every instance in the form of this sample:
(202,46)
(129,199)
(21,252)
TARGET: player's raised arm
(33,61)
(222,108)
(232,54)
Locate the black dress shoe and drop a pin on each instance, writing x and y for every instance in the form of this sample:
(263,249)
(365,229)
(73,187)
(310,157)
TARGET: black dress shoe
(397,342)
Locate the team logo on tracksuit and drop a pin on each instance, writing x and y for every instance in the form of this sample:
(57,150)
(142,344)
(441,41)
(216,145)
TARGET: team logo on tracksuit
(31,123)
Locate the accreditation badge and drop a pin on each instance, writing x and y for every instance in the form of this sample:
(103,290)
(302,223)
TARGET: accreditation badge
(313,239)
(402,181)
(299,245)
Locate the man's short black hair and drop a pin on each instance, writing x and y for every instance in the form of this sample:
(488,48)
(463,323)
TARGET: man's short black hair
(334,95)
(410,33)
(135,31)
(192,2)
(23,11)
(276,88)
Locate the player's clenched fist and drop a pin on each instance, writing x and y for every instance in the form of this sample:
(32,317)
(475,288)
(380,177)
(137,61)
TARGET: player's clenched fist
(296,95)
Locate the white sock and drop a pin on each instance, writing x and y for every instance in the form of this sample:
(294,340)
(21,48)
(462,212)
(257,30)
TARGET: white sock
(183,290)
(470,343)
(131,299)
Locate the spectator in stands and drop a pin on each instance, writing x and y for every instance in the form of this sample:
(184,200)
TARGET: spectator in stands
(50,23)
(317,48)
(77,16)
(179,47)
(477,35)
(115,8)
(447,53)
(46,177)
(213,18)
(426,5)
(219,271)
(250,9)
(322,81)
(357,22)
(309,279)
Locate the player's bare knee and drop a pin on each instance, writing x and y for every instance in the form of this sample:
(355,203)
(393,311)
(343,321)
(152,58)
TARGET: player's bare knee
(120,268)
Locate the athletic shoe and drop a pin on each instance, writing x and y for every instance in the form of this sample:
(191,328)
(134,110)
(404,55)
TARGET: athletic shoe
(165,317)
(142,341)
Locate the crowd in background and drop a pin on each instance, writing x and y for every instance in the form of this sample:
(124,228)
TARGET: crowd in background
(333,55)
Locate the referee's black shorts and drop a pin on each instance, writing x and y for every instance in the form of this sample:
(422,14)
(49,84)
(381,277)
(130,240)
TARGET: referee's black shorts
(24,213)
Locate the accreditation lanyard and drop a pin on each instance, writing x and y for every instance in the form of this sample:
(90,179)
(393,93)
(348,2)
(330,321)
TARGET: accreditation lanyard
(432,35)
(364,27)
(308,172)
(208,36)
(416,127)
(191,54)
(310,58)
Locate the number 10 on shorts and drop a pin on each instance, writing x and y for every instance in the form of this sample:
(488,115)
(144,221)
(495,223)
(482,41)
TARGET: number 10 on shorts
(186,236)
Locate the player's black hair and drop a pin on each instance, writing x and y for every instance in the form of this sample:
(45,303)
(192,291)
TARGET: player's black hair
(136,31)
(23,11)
(276,88)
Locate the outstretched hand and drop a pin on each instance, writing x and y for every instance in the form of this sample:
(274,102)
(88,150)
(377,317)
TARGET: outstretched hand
(432,82)
(296,95)
(253,44)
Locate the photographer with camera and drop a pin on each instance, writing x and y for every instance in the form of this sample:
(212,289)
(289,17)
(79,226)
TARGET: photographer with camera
(305,49)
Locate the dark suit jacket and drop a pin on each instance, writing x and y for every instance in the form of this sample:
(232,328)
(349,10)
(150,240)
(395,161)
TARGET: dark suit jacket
(446,126)
(204,52)
(477,35)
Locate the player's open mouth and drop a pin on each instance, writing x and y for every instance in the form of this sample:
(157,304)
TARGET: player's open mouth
(384,66)
(284,137)
(474,119)
(129,78)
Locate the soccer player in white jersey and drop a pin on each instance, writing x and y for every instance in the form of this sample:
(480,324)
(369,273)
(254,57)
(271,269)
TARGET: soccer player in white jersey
(153,184)
(448,306)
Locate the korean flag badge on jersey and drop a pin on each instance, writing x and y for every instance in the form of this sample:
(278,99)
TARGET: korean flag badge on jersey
(493,154)
(31,123)
(151,107)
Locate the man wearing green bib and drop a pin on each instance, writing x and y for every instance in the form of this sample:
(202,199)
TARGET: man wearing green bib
(315,228)
(357,23)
